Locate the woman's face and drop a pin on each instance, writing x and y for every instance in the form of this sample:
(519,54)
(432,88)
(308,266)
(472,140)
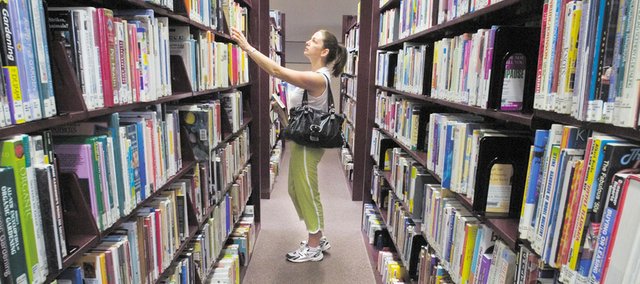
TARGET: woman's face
(314,47)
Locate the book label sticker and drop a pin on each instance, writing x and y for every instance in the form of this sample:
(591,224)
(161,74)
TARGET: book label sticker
(499,193)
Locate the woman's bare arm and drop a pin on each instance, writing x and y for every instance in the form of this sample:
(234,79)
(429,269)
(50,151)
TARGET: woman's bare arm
(308,80)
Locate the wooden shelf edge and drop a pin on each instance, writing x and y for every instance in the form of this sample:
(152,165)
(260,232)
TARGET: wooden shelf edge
(624,132)
(227,138)
(420,157)
(437,30)
(515,117)
(185,169)
(389,5)
(219,90)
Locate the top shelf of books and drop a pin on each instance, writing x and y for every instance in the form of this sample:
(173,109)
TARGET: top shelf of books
(174,11)
(447,25)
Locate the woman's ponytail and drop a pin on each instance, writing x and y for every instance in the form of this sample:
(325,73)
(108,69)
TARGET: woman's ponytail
(337,53)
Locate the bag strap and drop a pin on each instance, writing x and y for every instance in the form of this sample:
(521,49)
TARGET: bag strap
(330,104)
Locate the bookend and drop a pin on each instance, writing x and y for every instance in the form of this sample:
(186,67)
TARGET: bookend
(180,82)
(180,8)
(385,144)
(382,240)
(65,82)
(510,41)
(512,150)
(80,228)
(414,259)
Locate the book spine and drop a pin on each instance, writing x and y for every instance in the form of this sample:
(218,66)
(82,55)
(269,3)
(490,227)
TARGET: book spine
(10,66)
(609,219)
(12,156)
(41,51)
(539,96)
(102,40)
(26,59)
(12,239)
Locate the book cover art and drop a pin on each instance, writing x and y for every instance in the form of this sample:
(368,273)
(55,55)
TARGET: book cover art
(513,83)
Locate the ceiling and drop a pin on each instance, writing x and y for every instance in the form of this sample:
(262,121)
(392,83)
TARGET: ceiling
(305,17)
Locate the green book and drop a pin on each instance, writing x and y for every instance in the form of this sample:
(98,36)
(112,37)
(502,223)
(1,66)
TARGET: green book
(13,155)
(10,227)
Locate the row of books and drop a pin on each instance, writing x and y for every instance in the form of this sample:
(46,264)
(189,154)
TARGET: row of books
(163,3)
(119,57)
(351,68)
(139,250)
(277,17)
(349,134)
(404,69)
(430,269)
(220,15)
(349,86)
(346,160)
(586,64)
(576,190)
(27,90)
(462,243)
(352,39)
(349,109)
(120,160)
(32,225)
(209,64)
(462,71)
(372,223)
(205,122)
(276,41)
(414,16)
(480,161)
(406,120)
(274,162)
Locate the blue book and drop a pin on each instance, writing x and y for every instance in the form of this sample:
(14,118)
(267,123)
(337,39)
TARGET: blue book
(26,59)
(448,156)
(73,274)
(41,52)
(539,143)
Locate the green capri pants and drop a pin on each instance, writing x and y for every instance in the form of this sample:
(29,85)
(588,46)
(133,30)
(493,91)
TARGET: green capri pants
(303,185)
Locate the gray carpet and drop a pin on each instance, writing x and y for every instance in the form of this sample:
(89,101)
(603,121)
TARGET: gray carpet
(281,232)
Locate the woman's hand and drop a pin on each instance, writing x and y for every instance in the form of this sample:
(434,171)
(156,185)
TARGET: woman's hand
(239,38)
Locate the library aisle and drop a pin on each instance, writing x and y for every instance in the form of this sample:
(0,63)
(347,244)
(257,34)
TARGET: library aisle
(345,262)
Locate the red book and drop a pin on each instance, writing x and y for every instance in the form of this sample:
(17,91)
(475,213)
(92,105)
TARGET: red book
(556,63)
(134,61)
(543,30)
(100,30)
(158,243)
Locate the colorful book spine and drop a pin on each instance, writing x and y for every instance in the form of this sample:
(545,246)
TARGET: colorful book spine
(25,59)
(10,66)
(41,52)
(14,265)
(13,155)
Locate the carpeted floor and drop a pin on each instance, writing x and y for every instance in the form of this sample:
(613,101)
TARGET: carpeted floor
(281,232)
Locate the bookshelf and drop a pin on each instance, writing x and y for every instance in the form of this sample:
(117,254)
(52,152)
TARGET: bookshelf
(277,47)
(84,235)
(553,236)
(348,100)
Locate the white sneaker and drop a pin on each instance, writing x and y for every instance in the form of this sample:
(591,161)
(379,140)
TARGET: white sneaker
(324,246)
(306,254)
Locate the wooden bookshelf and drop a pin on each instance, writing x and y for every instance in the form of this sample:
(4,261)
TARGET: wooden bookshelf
(281,31)
(505,12)
(390,5)
(71,117)
(373,257)
(515,117)
(258,10)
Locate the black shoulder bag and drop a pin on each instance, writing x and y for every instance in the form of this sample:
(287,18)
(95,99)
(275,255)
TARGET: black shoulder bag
(315,128)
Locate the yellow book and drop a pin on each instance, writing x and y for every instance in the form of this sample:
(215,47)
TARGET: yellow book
(470,244)
(573,49)
(394,271)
